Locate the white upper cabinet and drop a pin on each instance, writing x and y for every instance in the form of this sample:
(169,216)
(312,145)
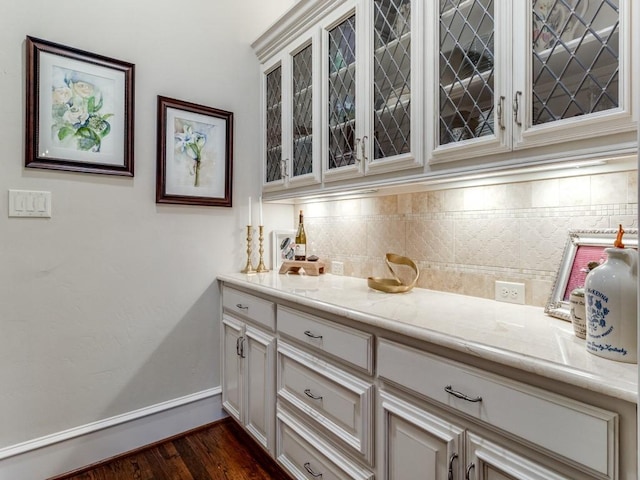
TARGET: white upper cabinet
(372,82)
(513,75)
(291,116)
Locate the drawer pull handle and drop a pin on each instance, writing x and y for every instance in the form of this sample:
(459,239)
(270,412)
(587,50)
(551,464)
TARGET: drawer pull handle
(307,467)
(457,394)
(310,334)
(242,307)
(453,457)
(469,468)
(308,393)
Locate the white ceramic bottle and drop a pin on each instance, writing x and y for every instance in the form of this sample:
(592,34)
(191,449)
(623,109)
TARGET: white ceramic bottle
(612,306)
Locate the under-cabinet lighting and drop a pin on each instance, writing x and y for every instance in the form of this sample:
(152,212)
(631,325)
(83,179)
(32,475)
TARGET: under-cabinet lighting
(333,195)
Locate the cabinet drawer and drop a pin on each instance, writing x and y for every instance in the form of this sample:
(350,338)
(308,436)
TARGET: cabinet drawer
(253,308)
(328,396)
(577,431)
(306,456)
(345,343)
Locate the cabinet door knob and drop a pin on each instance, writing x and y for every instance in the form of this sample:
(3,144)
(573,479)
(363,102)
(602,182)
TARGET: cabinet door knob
(310,334)
(307,467)
(308,393)
(461,395)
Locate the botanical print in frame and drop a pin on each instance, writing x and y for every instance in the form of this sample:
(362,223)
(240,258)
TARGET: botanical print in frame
(79,110)
(195,154)
(584,248)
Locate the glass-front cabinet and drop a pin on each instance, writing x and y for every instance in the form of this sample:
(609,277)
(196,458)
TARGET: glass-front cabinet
(515,75)
(372,79)
(291,117)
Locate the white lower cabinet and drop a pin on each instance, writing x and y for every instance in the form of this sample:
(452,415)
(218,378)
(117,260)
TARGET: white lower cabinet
(413,443)
(328,399)
(497,417)
(248,388)
(306,455)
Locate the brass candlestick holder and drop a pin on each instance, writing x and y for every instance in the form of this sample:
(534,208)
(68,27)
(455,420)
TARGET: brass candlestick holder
(248,267)
(261,266)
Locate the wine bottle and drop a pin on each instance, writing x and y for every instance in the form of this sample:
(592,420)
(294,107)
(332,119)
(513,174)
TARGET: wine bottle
(301,241)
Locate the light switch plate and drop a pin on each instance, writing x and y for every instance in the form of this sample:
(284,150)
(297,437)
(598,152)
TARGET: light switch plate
(28,203)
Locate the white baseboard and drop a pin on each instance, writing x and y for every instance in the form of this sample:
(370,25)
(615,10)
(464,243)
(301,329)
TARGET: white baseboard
(87,444)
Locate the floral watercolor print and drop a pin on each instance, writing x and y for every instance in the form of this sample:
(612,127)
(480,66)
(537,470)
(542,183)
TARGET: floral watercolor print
(191,147)
(195,161)
(82,110)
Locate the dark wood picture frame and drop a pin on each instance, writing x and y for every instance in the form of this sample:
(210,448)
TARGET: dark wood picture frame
(79,110)
(195,154)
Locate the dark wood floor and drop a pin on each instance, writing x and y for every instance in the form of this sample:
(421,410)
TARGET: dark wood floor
(220,451)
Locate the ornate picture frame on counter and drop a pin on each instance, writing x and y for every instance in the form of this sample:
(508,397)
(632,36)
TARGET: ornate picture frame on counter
(582,248)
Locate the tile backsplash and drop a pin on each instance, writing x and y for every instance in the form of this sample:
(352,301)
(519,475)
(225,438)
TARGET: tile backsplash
(464,239)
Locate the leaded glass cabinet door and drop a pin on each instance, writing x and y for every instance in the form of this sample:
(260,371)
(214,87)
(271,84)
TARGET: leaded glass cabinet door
(304,140)
(473,84)
(577,74)
(273,163)
(394,140)
(343,155)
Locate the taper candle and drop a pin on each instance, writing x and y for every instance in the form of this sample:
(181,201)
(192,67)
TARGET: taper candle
(261,210)
(249,222)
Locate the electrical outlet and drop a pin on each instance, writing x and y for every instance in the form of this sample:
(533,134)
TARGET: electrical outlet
(510,292)
(337,268)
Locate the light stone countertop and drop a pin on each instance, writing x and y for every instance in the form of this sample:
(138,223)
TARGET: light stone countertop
(518,336)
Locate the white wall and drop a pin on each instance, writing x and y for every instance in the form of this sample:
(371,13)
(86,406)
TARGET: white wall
(110,306)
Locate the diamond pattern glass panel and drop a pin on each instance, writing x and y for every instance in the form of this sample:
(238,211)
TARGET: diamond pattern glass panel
(342,93)
(302,112)
(575,58)
(466,70)
(274,125)
(391,77)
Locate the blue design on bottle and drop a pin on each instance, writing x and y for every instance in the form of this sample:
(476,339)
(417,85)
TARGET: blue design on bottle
(597,313)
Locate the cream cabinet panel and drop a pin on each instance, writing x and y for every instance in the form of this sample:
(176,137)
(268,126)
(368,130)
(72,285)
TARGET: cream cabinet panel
(260,385)
(413,443)
(231,367)
(248,365)
(331,398)
(348,344)
(307,456)
(489,461)
(589,435)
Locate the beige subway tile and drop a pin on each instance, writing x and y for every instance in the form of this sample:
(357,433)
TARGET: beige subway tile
(609,188)
(545,193)
(575,191)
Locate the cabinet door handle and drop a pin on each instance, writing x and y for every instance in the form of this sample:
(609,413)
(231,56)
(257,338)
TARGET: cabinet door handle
(242,307)
(283,168)
(310,334)
(307,467)
(461,395)
(238,346)
(356,148)
(363,146)
(468,472)
(453,457)
(501,112)
(242,355)
(308,393)
(516,108)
